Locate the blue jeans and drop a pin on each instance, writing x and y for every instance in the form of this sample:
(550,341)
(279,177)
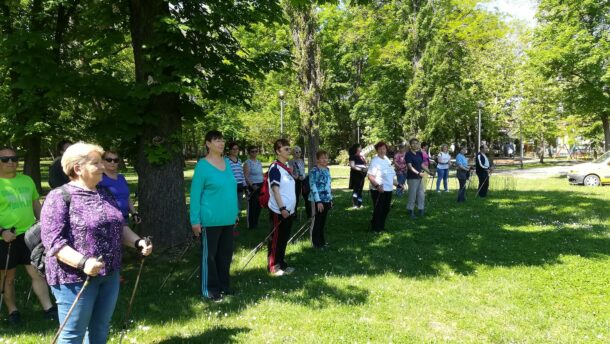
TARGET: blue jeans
(442,174)
(402,178)
(91,316)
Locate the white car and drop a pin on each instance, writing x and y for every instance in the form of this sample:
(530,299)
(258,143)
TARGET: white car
(593,173)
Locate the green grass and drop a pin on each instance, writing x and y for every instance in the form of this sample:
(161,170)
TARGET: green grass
(529,264)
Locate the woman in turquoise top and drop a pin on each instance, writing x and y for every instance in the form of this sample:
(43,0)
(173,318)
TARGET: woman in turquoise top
(319,184)
(214,212)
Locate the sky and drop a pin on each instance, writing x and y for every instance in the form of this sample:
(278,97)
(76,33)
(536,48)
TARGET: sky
(518,9)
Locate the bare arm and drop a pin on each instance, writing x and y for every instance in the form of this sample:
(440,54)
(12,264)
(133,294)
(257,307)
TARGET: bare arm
(37,207)
(129,239)
(70,256)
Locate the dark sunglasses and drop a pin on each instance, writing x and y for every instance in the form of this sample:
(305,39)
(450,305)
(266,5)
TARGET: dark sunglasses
(6,159)
(116,161)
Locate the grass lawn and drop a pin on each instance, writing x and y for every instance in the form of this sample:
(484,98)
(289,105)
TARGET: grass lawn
(529,264)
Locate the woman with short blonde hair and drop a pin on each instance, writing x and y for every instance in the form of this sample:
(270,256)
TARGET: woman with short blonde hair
(82,230)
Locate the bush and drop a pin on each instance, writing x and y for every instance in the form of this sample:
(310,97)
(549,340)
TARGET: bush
(342,158)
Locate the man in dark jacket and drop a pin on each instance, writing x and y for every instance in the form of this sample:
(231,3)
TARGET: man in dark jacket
(483,169)
(57,177)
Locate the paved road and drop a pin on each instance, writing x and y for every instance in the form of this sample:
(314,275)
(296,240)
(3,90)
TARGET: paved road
(539,172)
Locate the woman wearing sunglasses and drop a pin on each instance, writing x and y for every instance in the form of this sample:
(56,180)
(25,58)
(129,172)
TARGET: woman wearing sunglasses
(116,183)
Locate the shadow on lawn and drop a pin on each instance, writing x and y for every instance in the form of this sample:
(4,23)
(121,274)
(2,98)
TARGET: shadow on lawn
(216,335)
(509,228)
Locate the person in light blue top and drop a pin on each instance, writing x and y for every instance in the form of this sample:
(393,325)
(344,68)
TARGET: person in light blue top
(321,195)
(463,173)
(214,213)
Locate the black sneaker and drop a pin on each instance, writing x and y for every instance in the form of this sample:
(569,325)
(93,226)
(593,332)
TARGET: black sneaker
(14,318)
(51,313)
(214,298)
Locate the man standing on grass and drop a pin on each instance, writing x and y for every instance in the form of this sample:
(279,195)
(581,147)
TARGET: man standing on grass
(19,209)
(483,169)
(57,177)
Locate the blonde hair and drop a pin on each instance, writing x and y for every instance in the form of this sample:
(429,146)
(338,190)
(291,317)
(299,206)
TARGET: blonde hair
(77,154)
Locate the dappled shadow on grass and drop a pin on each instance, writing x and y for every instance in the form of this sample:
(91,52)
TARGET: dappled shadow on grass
(216,335)
(508,229)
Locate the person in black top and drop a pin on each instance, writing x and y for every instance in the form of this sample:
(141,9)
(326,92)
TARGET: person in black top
(416,171)
(57,177)
(483,169)
(357,174)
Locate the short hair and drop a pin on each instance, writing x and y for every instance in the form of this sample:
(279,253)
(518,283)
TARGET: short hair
(110,151)
(380,144)
(321,153)
(483,146)
(295,148)
(352,150)
(279,144)
(251,147)
(213,135)
(424,144)
(60,145)
(444,145)
(411,141)
(77,154)
(232,143)
(7,148)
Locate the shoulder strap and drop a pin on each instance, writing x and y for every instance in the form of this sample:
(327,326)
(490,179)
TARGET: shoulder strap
(65,194)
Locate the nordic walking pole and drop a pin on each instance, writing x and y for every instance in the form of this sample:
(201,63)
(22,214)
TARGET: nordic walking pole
(254,251)
(190,243)
(481,186)
(133,293)
(302,229)
(80,293)
(8,256)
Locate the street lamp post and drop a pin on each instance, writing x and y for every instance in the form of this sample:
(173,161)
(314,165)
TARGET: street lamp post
(281,93)
(480,105)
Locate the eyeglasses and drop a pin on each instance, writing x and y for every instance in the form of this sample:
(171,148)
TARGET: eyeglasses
(115,160)
(297,151)
(6,159)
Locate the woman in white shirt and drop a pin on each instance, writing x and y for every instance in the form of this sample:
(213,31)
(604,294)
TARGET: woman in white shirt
(442,167)
(382,178)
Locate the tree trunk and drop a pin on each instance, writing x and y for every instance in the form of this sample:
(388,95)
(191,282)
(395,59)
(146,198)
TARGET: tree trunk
(306,58)
(542,150)
(159,160)
(606,126)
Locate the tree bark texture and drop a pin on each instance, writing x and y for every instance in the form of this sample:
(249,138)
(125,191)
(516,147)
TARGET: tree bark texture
(160,182)
(306,59)
(606,126)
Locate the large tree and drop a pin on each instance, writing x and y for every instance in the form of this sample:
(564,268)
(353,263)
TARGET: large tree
(572,47)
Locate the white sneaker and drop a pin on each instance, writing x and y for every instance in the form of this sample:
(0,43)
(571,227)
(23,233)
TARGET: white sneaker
(438,191)
(278,273)
(446,190)
(288,270)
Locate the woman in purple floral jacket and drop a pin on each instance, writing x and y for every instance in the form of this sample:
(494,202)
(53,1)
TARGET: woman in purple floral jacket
(74,235)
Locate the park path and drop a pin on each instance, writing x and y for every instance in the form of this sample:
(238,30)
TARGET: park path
(538,172)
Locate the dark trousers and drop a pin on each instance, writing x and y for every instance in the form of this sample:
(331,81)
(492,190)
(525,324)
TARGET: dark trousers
(298,190)
(254,207)
(217,244)
(381,208)
(483,183)
(317,229)
(462,190)
(357,194)
(276,248)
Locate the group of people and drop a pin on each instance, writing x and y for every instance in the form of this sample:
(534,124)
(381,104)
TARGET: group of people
(216,192)
(86,217)
(83,224)
(411,166)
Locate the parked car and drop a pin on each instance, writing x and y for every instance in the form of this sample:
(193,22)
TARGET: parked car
(593,173)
